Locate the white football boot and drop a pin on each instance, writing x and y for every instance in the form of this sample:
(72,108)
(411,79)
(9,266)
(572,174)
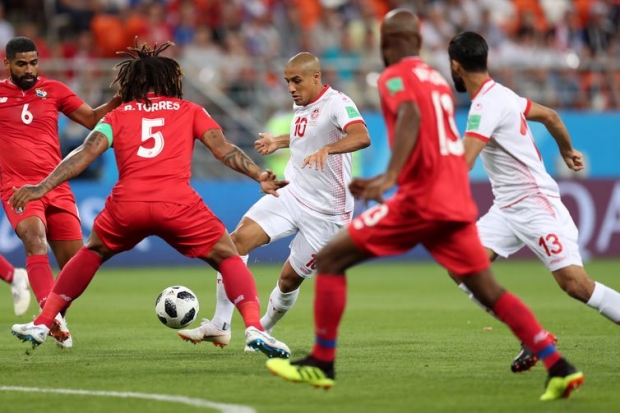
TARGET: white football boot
(207,331)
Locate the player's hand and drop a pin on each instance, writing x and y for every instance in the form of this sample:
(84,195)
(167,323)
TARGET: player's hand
(269,184)
(23,195)
(316,159)
(370,189)
(574,160)
(266,144)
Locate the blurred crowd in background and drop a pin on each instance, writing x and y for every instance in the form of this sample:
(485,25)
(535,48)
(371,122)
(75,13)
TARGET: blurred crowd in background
(562,53)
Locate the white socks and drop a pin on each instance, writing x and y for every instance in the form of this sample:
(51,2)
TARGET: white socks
(606,301)
(279,304)
(464,288)
(224,308)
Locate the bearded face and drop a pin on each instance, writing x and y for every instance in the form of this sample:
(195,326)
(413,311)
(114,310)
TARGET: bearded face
(23,69)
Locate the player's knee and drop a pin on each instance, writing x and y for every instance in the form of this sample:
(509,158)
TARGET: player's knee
(327,262)
(246,242)
(35,243)
(289,282)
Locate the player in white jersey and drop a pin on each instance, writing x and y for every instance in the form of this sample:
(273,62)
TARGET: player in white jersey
(316,204)
(527,209)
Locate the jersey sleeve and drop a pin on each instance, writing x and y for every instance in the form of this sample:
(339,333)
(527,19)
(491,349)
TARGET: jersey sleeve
(106,126)
(481,121)
(345,112)
(524,104)
(394,90)
(68,101)
(203,122)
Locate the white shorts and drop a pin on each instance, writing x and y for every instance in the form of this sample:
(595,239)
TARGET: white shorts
(540,222)
(285,215)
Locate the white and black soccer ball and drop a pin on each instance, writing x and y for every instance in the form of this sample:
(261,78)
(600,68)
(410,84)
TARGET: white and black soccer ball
(176,307)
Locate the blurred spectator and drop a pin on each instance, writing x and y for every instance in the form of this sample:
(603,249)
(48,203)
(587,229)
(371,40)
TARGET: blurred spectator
(599,30)
(489,29)
(185,27)
(108,31)
(568,32)
(567,85)
(7,31)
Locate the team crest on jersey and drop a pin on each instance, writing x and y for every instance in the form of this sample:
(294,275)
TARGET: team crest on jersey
(315,113)
(41,93)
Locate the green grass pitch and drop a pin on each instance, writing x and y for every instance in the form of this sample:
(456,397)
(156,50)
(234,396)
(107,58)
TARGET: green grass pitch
(410,341)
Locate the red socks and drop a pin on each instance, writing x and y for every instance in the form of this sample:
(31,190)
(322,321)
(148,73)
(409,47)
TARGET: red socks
(53,305)
(77,274)
(524,325)
(40,276)
(241,290)
(71,283)
(330,299)
(6,270)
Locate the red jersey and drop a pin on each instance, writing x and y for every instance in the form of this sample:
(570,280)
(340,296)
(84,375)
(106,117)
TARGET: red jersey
(434,181)
(29,146)
(154,146)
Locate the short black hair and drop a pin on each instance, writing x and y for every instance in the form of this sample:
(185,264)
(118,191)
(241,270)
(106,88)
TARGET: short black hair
(19,44)
(470,50)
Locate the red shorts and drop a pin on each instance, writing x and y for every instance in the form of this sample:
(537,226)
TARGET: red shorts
(389,229)
(192,230)
(57,210)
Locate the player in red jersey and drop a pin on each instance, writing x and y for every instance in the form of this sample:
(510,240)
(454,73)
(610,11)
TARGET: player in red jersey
(153,134)
(17,278)
(432,206)
(29,151)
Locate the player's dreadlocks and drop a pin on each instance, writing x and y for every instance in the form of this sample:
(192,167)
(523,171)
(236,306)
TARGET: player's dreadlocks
(145,72)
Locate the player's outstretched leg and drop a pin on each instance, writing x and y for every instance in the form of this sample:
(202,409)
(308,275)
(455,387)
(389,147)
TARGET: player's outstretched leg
(34,334)
(263,342)
(308,370)
(207,331)
(562,380)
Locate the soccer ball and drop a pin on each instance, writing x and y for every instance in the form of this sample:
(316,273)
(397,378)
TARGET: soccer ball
(176,307)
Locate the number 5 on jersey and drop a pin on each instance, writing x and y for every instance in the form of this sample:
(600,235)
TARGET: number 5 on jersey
(148,133)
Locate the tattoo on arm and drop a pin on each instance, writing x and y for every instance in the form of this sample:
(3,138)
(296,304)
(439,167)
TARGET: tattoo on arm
(236,159)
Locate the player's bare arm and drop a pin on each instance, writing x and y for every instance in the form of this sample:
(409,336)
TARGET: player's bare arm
(233,157)
(357,138)
(405,138)
(74,164)
(473,146)
(88,117)
(554,125)
(269,144)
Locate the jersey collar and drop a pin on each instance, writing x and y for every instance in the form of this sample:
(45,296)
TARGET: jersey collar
(486,85)
(325,89)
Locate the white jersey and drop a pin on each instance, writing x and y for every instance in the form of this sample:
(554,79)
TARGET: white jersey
(319,123)
(511,159)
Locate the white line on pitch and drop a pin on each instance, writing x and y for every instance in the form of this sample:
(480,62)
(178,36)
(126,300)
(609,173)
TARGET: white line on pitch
(222,407)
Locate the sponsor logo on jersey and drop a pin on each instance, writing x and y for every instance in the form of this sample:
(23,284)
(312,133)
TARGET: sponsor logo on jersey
(3,99)
(315,113)
(394,85)
(41,93)
(473,122)
(352,112)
